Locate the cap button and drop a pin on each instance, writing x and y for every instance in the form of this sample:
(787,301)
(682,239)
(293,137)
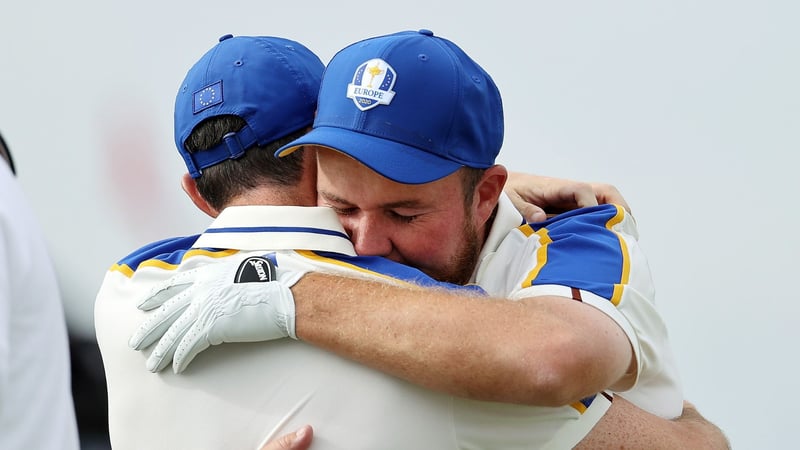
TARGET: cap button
(426,32)
(227,36)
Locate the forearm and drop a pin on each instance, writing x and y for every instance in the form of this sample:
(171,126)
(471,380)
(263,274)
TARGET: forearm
(626,426)
(529,352)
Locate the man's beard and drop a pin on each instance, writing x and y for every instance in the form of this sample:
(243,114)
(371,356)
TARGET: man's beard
(461,266)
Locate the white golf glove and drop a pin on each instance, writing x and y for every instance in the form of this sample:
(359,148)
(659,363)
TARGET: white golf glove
(243,300)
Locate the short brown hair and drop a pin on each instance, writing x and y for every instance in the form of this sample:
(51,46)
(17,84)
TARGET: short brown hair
(220,183)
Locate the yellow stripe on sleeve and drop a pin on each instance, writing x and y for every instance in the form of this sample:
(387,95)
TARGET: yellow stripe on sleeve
(128,272)
(313,256)
(579,406)
(541,254)
(123,269)
(626,260)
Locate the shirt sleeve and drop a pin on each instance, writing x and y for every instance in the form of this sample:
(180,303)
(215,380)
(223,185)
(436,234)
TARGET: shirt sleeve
(593,255)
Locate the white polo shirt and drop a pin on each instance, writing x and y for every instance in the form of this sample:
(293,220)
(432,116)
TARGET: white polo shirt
(591,255)
(36,407)
(234,396)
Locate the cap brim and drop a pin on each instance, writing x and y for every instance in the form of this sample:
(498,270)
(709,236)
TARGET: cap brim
(397,162)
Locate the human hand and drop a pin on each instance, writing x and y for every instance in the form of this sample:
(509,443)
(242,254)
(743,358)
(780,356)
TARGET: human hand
(298,440)
(534,195)
(236,300)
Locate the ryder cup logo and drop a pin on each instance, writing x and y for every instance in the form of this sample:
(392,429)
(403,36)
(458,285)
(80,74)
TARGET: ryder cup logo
(372,84)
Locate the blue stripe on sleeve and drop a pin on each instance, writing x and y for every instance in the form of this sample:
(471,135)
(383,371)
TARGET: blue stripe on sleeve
(170,251)
(584,253)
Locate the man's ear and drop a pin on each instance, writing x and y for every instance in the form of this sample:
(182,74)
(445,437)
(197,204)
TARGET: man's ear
(488,190)
(189,186)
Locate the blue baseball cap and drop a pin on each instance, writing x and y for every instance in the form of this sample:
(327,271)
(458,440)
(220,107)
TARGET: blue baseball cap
(270,82)
(410,105)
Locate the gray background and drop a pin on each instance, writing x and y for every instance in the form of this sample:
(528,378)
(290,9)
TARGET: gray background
(691,108)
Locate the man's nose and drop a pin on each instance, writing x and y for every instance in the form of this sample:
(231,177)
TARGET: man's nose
(369,237)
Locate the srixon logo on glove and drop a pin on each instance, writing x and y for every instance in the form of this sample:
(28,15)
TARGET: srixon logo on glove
(256,270)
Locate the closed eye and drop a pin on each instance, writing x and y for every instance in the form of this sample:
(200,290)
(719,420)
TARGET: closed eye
(343,211)
(402,218)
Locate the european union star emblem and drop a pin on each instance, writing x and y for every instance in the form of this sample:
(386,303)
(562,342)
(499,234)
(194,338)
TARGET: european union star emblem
(207,97)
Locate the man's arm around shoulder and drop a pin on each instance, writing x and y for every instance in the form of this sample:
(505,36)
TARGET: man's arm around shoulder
(545,351)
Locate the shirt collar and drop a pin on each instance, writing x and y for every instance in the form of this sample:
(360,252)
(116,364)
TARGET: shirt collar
(507,219)
(277,228)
